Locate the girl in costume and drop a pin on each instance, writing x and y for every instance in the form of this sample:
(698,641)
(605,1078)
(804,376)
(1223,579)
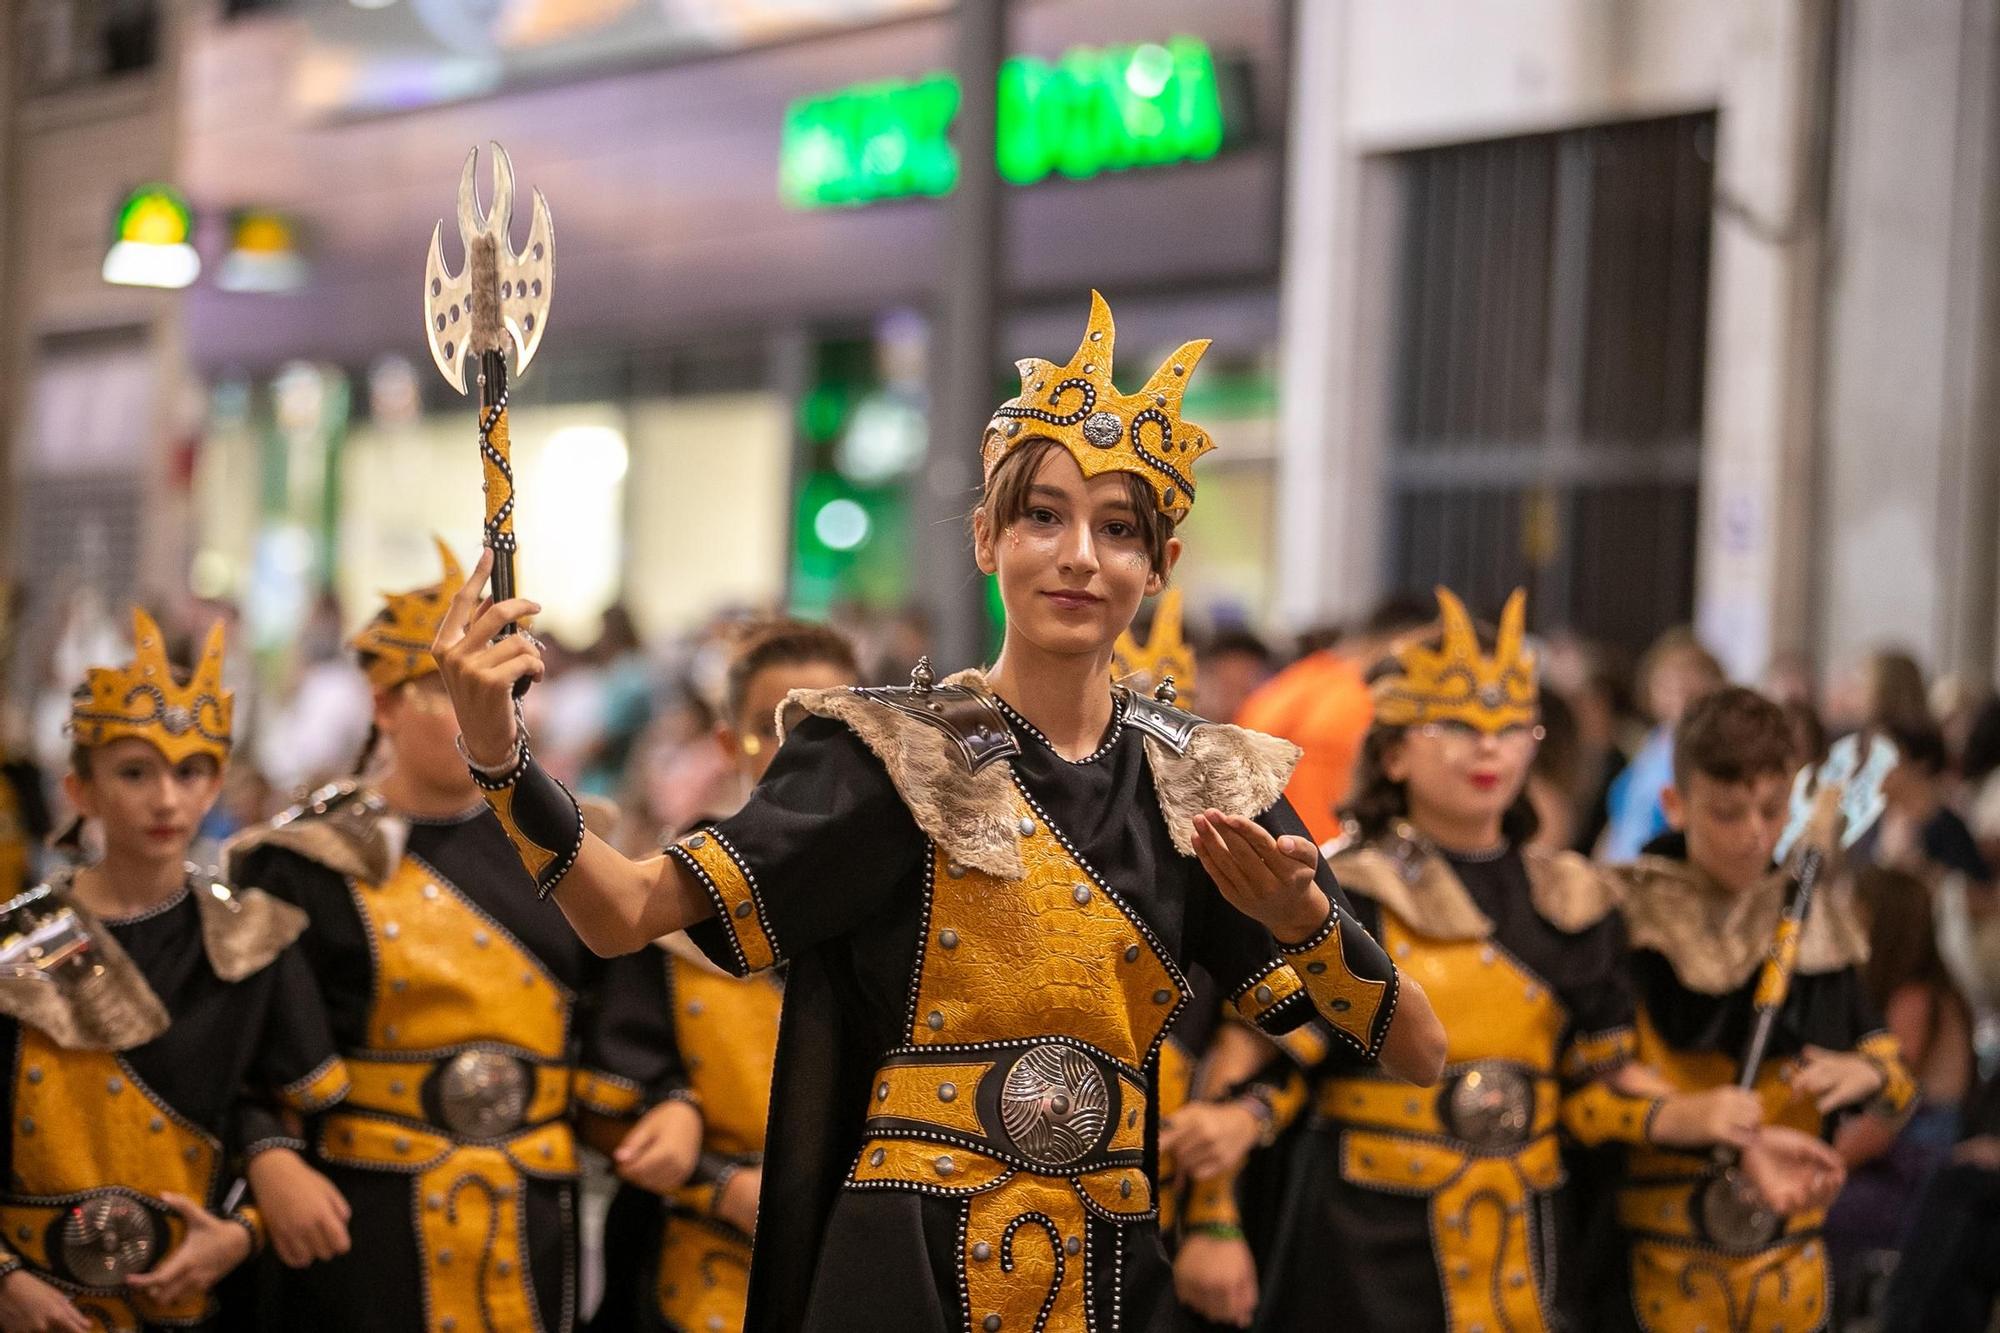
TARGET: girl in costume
(989,890)
(461,1006)
(1417,1212)
(139,999)
(677,1241)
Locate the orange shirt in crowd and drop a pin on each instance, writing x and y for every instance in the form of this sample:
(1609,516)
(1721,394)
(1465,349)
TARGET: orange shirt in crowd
(1322,705)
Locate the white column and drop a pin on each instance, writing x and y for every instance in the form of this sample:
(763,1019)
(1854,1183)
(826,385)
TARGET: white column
(1329,538)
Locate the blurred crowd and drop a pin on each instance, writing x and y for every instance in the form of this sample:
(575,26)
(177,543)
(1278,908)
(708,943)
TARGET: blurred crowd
(632,720)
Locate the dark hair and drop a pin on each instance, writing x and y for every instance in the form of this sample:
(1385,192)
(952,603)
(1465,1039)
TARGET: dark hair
(1733,735)
(1378,801)
(1240,642)
(1808,732)
(1982,743)
(1902,938)
(771,643)
(1922,745)
(1559,757)
(1005,498)
(1896,695)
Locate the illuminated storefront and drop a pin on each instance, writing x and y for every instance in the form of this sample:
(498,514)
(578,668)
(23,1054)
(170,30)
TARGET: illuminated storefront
(766,228)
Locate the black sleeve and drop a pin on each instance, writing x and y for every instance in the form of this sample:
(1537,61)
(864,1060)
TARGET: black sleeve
(1341,973)
(295,1066)
(335,945)
(631,1060)
(822,845)
(1597,992)
(27,782)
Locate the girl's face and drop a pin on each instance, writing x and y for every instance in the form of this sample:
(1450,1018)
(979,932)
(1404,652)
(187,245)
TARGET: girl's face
(1458,776)
(1073,567)
(147,808)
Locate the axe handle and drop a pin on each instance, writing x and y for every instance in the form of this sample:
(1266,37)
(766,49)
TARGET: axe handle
(1774,982)
(497,465)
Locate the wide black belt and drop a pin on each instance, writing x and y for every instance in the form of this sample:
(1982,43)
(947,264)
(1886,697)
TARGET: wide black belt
(1054,1106)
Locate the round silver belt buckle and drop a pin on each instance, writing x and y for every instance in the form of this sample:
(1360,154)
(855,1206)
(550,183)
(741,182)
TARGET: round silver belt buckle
(1054,1104)
(1490,1107)
(103,1239)
(1731,1217)
(483,1094)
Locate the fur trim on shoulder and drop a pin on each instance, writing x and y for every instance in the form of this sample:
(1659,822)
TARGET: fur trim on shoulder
(970,815)
(1568,890)
(1419,888)
(1715,940)
(344,827)
(1226,768)
(114,1009)
(244,930)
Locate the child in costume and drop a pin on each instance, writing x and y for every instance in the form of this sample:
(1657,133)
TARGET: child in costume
(140,1000)
(677,1243)
(989,890)
(458,1003)
(1702,909)
(1416,1212)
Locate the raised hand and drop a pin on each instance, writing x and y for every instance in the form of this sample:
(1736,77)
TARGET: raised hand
(479,667)
(1268,879)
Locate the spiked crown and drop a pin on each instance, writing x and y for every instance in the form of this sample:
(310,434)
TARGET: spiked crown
(1165,655)
(1455,681)
(143,701)
(1078,407)
(397,642)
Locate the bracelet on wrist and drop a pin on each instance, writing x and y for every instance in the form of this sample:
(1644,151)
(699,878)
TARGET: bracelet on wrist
(1217,1230)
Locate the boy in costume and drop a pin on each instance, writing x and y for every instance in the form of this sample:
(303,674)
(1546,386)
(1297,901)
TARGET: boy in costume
(1702,909)
(459,1004)
(141,1003)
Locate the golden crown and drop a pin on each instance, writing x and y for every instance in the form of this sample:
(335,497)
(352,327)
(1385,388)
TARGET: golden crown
(143,701)
(397,642)
(1455,682)
(1165,656)
(1078,407)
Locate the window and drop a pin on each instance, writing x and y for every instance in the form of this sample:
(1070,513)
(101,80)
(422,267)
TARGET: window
(1545,412)
(66,43)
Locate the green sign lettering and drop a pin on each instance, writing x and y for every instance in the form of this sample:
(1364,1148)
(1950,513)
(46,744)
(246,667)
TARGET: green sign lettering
(1094,110)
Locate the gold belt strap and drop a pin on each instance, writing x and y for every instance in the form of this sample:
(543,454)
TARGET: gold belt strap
(1073,1113)
(396,1087)
(1398,1108)
(1666,1211)
(27,1226)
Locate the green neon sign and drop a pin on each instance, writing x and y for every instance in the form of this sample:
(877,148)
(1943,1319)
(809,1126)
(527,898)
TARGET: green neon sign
(1097,109)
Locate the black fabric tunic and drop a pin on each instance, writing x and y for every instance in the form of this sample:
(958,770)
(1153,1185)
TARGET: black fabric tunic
(1370,1255)
(230,1045)
(377,1284)
(840,870)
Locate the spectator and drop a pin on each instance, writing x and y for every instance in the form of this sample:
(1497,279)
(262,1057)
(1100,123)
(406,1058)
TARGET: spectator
(1919,831)
(1322,704)
(1923,1009)
(1233,664)
(1675,672)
